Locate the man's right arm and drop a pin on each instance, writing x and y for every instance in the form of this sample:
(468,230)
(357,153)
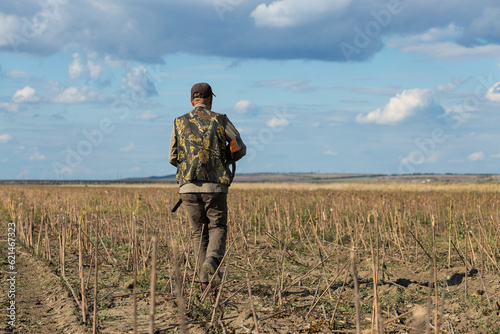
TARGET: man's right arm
(172,152)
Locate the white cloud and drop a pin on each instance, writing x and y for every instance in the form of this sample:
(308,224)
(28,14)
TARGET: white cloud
(495,156)
(128,148)
(450,86)
(9,107)
(147,116)
(137,79)
(276,122)
(493,94)
(76,69)
(135,169)
(243,106)
(85,94)
(449,33)
(25,95)
(330,152)
(289,13)
(401,107)
(92,67)
(8,24)
(5,138)
(441,43)
(37,156)
(322,26)
(476,156)
(459,113)
(115,63)
(95,69)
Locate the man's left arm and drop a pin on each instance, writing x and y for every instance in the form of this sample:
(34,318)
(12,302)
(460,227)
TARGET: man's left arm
(233,134)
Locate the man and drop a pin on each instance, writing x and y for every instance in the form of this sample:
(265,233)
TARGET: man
(199,150)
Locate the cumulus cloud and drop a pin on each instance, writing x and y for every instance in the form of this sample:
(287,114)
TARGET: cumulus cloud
(330,152)
(25,95)
(93,67)
(458,113)
(443,43)
(244,106)
(8,23)
(85,94)
(276,122)
(401,107)
(279,29)
(75,69)
(476,156)
(493,94)
(5,138)
(495,156)
(138,80)
(288,13)
(450,42)
(147,116)
(56,94)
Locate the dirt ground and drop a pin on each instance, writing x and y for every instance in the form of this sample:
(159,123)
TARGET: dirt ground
(44,305)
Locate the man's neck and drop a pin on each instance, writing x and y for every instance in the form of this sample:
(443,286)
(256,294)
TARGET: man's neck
(202,105)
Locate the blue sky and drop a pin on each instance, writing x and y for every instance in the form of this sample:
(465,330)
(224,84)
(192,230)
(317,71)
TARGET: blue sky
(90,89)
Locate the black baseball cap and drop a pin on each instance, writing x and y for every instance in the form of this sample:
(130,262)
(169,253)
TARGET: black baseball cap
(203,89)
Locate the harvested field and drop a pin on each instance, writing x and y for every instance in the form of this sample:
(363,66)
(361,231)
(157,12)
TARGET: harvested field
(301,258)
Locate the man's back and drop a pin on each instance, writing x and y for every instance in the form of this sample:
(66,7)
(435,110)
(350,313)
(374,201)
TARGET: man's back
(201,142)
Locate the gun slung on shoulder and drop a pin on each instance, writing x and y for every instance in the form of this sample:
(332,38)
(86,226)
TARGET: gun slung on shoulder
(233,148)
(177,205)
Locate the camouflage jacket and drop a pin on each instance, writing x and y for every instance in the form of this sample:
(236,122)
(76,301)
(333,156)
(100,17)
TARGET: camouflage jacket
(201,140)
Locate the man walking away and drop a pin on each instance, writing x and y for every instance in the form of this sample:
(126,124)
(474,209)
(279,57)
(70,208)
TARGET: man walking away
(199,149)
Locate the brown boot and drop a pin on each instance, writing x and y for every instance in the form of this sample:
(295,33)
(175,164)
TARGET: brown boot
(210,266)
